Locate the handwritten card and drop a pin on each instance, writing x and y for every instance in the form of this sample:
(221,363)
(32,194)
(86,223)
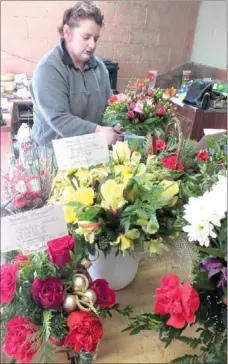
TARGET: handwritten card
(81,151)
(32,229)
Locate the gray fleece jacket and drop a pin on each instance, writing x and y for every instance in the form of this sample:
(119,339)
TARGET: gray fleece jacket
(66,101)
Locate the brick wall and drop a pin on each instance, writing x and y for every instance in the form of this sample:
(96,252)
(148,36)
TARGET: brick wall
(140,35)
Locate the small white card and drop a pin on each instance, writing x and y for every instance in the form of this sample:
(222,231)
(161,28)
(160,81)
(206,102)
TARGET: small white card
(81,151)
(31,230)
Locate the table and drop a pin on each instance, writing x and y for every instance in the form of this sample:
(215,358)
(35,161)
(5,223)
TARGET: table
(194,120)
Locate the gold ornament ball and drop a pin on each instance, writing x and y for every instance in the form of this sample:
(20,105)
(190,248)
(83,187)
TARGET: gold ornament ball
(89,295)
(79,283)
(69,303)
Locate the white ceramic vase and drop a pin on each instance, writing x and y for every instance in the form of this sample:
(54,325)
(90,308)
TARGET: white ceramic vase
(118,270)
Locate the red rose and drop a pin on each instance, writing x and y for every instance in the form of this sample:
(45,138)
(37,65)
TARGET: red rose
(170,162)
(48,292)
(202,155)
(8,276)
(160,145)
(17,343)
(181,302)
(59,250)
(85,331)
(106,297)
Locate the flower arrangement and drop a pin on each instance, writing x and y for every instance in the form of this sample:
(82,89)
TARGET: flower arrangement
(49,303)
(124,204)
(140,110)
(27,187)
(204,300)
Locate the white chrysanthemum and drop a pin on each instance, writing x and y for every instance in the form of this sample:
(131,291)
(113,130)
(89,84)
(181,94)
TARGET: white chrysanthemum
(200,231)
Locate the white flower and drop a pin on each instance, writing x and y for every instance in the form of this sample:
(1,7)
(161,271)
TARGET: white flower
(200,231)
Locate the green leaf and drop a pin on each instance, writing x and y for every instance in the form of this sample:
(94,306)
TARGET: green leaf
(211,251)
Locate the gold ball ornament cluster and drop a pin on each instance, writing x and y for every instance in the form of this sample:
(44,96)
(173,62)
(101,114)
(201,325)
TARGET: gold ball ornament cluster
(81,296)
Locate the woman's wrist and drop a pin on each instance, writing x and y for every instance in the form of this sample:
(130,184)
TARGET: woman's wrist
(98,129)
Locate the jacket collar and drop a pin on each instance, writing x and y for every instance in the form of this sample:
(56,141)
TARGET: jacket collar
(67,60)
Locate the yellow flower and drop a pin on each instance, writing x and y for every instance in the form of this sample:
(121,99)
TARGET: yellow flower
(85,196)
(98,173)
(121,152)
(126,240)
(71,171)
(88,229)
(156,246)
(135,158)
(122,170)
(83,175)
(69,215)
(171,189)
(68,195)
(112,194)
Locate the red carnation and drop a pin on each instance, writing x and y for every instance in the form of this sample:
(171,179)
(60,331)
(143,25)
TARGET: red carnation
(202,155)
(85,331)
(17,341)
(170,162)
(180,301)
(8,274)
(160,145)
(106,297)
(59,250)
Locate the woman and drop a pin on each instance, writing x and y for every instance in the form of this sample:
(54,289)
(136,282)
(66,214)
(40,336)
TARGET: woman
(70,86)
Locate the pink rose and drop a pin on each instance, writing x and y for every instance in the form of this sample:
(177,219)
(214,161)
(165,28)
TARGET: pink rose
(131,114)
(160,111)
(132,105)
(20,201)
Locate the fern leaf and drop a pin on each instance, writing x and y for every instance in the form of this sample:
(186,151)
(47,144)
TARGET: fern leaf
(187,359)
(46,354)
(192,342)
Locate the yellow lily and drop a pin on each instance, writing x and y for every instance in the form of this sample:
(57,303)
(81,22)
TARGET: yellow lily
(171,189)
(121,152)
(135,158)
(126,240)
(98,173)
(85,196)
(156,246)
(112,194)
(122,170)
(68,195)
(69,215)
(71,171)
(88,229)
(83,176)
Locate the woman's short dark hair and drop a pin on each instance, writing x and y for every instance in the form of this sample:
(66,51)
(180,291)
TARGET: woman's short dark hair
(81,10)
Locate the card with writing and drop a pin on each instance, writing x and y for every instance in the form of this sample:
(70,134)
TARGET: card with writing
(81,151)
(31,230)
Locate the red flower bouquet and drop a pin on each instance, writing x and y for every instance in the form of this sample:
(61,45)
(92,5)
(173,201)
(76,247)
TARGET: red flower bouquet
(139,110)
(48,300)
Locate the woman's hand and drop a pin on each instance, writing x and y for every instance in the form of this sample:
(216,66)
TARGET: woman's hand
(112,136)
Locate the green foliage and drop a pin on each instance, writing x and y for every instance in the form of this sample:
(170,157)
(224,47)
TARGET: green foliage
(107,312)
(188,154)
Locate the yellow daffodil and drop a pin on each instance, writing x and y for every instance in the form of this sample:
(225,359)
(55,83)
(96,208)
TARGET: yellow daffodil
(69,215)
(112,194)
(88,229)
(121,152)
(126,240)
(85,196)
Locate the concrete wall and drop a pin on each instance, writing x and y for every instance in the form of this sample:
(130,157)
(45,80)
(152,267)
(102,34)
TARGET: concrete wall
(210,42)
(140,35)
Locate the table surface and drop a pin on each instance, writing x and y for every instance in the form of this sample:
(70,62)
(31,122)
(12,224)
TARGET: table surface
(120,347)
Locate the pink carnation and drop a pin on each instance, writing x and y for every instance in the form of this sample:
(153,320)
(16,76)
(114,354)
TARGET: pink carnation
(160,111)
(131,114)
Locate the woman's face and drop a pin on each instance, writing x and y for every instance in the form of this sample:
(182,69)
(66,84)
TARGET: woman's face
(82,40)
